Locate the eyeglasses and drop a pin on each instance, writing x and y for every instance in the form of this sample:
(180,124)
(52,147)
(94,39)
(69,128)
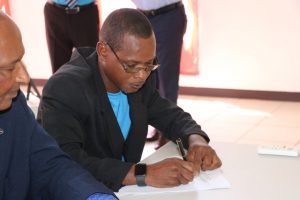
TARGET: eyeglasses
(133,68)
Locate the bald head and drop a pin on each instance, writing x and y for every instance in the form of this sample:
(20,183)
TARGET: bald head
(12,72)
(11,46)
(8,28)
(5,20)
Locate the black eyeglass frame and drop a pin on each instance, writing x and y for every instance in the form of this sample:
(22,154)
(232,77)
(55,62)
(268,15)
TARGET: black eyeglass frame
(147,67)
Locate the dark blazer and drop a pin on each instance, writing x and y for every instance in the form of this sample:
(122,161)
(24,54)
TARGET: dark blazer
(31,164)
(75,110)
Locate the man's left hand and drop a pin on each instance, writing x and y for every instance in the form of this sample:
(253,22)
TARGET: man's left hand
(202,155)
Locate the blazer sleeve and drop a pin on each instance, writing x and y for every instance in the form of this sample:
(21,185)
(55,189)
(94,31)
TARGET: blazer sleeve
(169,118)
(63,115)
(54,175)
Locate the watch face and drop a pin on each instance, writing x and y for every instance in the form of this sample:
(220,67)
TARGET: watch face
(140,169)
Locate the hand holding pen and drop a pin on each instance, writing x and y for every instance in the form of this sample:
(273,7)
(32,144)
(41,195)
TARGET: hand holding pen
(170,172)
(202,155)
(181,149)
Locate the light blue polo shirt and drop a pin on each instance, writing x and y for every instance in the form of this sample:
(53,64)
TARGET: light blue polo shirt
(119,103)
(79,2)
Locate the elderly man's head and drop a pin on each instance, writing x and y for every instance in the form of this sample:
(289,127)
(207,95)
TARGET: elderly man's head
(12,72)
(126,50)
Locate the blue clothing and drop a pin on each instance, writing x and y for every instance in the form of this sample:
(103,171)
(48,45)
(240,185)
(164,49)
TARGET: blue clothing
(169,29)
(119,103)
(79,2)
(101,197)
(32,166)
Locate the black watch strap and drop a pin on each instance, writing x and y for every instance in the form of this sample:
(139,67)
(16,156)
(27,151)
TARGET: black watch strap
(140,173)
(140,180)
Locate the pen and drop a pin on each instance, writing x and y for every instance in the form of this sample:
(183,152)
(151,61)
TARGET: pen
(181,149)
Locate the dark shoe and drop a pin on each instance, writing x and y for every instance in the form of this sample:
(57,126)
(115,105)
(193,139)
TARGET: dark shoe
(154,135)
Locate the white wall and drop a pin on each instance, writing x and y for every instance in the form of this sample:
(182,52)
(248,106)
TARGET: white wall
(249,44)
(244,44)
(29,15)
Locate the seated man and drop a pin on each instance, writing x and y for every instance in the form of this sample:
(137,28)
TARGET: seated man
(98,107)
(32,166)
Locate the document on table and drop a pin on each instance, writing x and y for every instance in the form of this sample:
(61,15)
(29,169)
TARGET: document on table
(205,181)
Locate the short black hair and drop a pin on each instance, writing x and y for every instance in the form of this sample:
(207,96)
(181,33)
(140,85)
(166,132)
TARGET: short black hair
(124,21)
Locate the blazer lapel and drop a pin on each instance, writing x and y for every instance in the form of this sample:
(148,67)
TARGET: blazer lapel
(135,141)
(114,133)
(112,129)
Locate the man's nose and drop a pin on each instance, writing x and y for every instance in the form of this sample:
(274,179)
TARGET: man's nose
(142,74)
(22,74)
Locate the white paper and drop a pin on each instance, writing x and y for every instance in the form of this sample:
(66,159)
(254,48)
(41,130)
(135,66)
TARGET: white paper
(205,181)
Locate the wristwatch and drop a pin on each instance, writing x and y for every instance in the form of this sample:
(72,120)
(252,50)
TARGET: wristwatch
(140,172)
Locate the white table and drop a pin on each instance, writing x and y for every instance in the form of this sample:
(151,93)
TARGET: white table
(252,176)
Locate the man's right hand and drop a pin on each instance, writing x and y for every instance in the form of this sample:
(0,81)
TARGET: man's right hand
(169,173)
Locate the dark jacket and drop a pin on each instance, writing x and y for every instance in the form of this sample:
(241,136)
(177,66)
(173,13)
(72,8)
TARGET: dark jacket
(75,109)
(32,166)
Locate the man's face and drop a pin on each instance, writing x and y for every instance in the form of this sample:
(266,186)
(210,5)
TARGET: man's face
(12,72)
(137,53)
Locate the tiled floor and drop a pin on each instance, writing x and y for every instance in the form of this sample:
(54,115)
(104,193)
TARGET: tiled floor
(239,120)
(245,121)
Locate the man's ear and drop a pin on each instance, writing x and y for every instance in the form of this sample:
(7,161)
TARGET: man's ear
(101,49)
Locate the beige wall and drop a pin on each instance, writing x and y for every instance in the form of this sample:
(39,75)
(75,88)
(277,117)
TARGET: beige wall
(243,44)
(249,44)
(30,19)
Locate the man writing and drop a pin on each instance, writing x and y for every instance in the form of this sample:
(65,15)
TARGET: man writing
(98,107)
(31,164)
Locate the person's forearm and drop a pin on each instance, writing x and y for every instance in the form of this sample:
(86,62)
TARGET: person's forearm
(196,139)
(130,178)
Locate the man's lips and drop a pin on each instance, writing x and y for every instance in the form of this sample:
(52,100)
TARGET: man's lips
(137,85)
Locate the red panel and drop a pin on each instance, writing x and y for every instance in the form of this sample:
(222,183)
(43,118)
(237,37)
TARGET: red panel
(189,55)
(4,6)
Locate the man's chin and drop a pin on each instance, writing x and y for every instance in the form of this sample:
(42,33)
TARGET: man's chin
(5,105)
(130,90)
